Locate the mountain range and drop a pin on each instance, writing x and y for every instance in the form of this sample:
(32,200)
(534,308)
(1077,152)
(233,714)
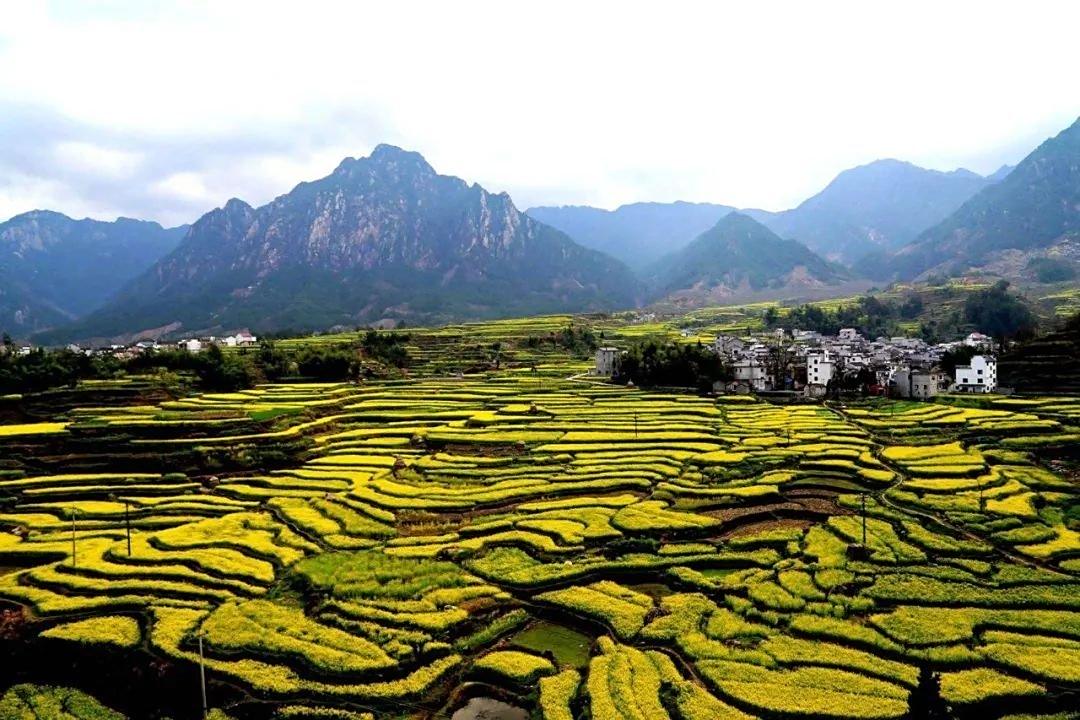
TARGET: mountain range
(876,207)
(381,238)
(879,206)
(1032,214)
(387,239)
(54,269)
(740,257)
(638,234)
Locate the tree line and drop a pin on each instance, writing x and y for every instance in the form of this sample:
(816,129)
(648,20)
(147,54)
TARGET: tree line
(652,363)
(372,354)
(993,311)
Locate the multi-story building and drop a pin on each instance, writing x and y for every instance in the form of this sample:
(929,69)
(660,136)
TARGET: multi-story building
(607,361)
(819,368)
(848,334)
(752,374)
(980,376)
(919,383)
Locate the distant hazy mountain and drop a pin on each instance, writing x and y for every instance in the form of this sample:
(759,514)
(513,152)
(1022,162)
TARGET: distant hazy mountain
(1032,213)
(999,174)
(879,206)
(741,258)
(638,234)
(54,269)
(382,237)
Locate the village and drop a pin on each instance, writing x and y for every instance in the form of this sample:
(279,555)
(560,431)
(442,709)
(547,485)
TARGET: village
(132,350)
(800,363)
(815,365)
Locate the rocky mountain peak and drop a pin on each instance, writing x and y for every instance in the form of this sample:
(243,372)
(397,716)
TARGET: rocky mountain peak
(236,205)
(385,160)
(381,236)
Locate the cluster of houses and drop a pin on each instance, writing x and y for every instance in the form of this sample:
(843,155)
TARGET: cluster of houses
(193,345)
(241,339)
(813,364)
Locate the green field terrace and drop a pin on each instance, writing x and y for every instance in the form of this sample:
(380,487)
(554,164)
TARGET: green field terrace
(467,346)
(572,548)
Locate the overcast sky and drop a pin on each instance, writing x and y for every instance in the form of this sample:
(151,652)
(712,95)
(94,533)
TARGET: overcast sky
(163,111)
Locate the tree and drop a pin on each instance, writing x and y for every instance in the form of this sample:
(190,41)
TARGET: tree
(328,364)
(911,308)
(387,348)
(580,342)
(999,313)
(925,701)
(651,363)
(225,373)
(869,315)
(274,362)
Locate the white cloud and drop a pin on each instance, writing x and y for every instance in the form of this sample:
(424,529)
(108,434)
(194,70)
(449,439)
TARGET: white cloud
(22,193)
(182,186)
(751,104)
(96,160)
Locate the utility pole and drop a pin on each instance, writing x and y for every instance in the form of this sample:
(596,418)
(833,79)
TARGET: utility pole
(863,496)
(202,677)
(127,523)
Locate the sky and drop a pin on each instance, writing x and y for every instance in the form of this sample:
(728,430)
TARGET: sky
(163,110)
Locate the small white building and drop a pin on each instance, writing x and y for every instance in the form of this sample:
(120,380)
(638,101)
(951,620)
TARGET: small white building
(193,345)
(805,335)
(607,361)
(978,340)
(819,368)
(978,377)
(728,345)
(753,373)
(848,334)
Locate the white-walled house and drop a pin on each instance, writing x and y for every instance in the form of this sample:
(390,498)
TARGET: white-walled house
(805,335)
(980,376)
(978,340)
(728,345)
(193,345)
(819,368)
(607,361)
(753,373)
(242,339)
(848,334)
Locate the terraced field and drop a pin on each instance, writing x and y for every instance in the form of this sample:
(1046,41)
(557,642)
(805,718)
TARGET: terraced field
(568,548)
